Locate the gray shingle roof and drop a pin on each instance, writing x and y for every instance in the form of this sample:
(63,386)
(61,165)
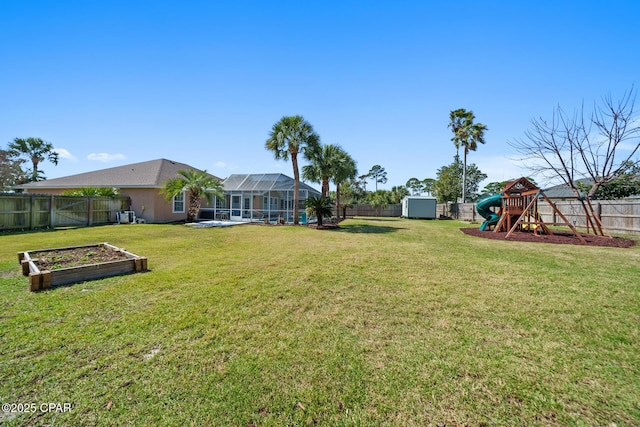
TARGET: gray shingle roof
(563,191)
(149,174)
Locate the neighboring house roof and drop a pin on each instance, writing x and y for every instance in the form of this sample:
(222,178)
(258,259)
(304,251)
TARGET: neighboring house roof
(263,182)
(563,191)
(150,174)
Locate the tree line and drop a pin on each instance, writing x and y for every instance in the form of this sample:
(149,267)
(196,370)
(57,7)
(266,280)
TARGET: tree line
(15,161)
(595,155)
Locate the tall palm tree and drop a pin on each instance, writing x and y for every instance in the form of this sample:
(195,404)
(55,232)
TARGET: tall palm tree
(324,160)
(288,137)
(458,120)
(476,135)
(466,134)
(344,170)
(197,184)
(36,150)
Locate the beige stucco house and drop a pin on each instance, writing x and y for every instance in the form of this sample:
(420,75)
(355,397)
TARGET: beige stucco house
(141,182)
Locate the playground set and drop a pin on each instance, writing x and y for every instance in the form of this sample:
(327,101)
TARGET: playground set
(517,210)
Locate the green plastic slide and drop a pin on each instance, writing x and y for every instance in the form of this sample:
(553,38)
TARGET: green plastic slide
(483,208)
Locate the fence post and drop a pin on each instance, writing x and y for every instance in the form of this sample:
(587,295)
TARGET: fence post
(31,202)
(51,211)
(89,210)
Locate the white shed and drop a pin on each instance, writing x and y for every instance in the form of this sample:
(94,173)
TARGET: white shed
(419,207)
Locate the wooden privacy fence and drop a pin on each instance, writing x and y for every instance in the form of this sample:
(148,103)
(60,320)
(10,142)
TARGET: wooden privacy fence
(29,211)
(393,210)
(618,216)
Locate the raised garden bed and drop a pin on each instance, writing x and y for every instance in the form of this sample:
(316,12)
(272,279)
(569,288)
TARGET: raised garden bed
(62,266)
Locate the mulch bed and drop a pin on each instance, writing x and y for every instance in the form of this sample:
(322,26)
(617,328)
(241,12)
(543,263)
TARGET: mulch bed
(558,237)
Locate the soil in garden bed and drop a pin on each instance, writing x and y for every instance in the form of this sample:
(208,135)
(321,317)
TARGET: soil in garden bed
(65,258)
(559,237)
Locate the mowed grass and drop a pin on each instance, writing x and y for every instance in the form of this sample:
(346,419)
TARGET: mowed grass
(383,322)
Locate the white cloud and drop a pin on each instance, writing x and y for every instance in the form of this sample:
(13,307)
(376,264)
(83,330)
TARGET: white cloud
(65,154)
(105,157)
(221,165)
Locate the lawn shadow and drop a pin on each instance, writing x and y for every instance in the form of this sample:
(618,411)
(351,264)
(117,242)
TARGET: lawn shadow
(367,229)
(376,218)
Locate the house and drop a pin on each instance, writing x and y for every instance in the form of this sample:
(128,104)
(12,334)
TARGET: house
(622,188)
(564,192)
(141,182)
(259,198)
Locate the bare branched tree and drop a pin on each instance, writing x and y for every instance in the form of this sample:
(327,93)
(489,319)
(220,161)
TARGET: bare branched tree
(602,146)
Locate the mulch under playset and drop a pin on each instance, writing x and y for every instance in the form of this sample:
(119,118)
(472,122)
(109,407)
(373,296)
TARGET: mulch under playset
(517,219)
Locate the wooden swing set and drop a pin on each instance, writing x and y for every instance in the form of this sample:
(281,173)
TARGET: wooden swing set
(519,211)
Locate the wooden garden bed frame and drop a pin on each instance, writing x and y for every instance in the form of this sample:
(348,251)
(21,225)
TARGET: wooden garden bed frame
(45,279)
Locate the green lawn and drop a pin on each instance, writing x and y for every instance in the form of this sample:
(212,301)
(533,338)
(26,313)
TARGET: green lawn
(384,322)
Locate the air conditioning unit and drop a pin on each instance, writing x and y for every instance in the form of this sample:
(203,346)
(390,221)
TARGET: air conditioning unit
(126,217)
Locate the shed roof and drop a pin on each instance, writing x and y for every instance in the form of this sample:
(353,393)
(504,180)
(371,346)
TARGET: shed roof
(149,174)
(263,182)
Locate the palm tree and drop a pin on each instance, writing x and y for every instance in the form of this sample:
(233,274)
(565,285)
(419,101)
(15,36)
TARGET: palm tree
(466,134)
(36,150)
(398,192)
(329,163)
(344,170)
(379,199)
(458,120)
(476,135)
(290,136)
(318,206)
(324,159)
(197,184)
(351,192)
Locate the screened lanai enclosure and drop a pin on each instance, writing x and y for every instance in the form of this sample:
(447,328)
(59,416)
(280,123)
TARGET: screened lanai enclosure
(259,198)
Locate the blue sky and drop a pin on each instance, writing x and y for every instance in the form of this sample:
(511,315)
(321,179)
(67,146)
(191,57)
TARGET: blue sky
(201,82)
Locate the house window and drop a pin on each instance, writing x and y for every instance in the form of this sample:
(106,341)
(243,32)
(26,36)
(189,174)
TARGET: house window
(286,204)
(178,203)
(270,203)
